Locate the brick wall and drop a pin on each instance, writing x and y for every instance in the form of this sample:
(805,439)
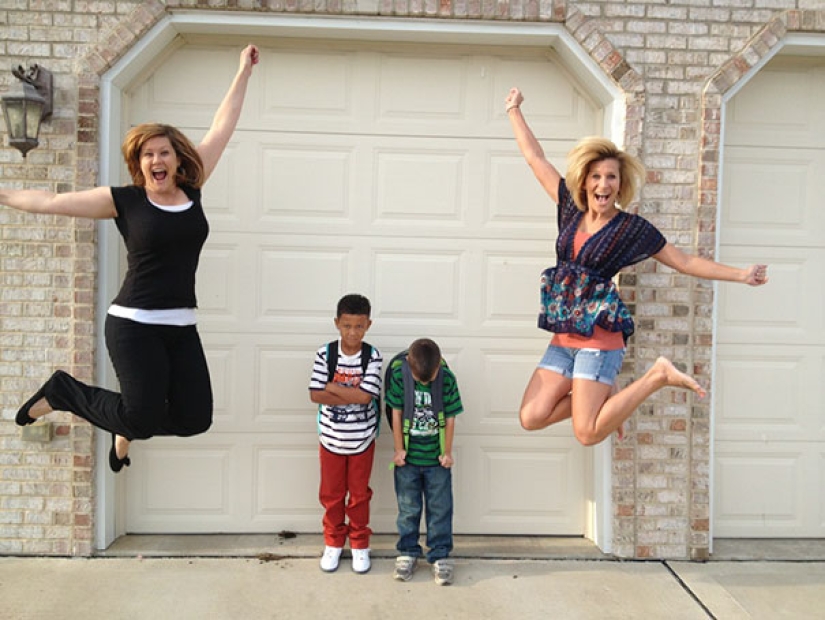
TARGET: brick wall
(674,60)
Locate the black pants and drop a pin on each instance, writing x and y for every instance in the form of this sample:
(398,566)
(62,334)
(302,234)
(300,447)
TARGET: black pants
(164,382)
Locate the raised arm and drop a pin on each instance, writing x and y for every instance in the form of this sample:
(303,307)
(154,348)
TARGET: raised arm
(673,257)
(94,203)
(545,172)
(226,118)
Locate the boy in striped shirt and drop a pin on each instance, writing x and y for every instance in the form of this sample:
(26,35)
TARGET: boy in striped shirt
(347,397)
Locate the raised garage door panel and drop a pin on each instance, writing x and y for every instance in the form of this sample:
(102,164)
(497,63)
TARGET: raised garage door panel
(767,194)
(770,362)
(780,107)
(390,171)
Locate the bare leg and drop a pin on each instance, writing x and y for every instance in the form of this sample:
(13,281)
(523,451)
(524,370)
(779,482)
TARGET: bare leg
(619,431)
(546,400)
(42,407)
(597,414)
(121,447)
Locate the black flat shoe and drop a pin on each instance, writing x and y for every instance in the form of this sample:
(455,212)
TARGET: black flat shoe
(114,462)
(23,418)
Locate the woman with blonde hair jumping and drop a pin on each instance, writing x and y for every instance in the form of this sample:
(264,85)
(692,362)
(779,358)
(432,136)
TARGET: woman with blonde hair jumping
(580,303)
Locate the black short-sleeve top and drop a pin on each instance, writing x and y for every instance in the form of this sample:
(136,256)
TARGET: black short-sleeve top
(163,249)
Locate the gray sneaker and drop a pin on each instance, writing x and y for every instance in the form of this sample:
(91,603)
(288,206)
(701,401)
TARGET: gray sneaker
(404,567)
(443,571)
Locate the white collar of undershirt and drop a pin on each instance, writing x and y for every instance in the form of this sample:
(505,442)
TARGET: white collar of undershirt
(171,208)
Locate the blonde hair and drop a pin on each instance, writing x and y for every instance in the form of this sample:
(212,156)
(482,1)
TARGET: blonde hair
(190,171)
(595,149)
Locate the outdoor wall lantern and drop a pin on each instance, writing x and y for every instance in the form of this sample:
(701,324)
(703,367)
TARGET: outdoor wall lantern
(26,106)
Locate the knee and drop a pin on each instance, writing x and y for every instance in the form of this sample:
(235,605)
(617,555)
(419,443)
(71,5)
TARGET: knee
(529,420)
(360,497)
(587,436)
(198,427)
(527,424)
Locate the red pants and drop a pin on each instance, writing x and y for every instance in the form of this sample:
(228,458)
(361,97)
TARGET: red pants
(342,475)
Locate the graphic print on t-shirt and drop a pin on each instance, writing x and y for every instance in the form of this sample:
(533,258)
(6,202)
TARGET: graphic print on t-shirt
(424,422)
(347,377)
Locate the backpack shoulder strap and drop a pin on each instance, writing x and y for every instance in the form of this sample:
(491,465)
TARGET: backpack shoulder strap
(332,359)
(409,400)
(366,356)
(437,390)
(394,363)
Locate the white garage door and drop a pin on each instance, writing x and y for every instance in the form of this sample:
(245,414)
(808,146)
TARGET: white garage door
(770,382)
(389,170)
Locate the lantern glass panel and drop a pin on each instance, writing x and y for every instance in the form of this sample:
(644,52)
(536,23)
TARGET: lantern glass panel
(15,117)
(34,111)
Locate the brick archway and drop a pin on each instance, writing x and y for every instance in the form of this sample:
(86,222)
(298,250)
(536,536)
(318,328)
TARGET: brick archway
(737,71)
(92,69)
(739,67)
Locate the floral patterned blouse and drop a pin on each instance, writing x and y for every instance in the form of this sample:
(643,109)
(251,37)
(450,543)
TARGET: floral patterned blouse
(578,294)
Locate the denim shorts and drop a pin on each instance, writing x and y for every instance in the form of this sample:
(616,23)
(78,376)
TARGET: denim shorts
(591,364)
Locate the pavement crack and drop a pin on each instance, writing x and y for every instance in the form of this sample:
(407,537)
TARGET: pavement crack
(690,592)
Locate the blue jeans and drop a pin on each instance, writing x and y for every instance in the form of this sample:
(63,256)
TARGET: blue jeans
(590,364)
(429,488)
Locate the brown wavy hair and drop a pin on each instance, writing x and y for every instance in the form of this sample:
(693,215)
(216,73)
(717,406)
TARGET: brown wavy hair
(424,358)
(591,150)
(190,171)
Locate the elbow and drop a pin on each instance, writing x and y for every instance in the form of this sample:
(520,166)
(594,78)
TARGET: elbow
(534,159)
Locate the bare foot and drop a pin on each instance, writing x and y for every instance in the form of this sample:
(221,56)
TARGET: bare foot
(675,377)
(121,447)
(40,408)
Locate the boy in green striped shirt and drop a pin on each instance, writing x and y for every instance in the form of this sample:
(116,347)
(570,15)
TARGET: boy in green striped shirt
(423,457)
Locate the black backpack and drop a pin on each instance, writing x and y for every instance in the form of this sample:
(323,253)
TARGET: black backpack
(436,390)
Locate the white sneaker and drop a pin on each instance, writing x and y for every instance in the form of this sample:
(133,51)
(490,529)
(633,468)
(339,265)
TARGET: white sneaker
(361,560)
(329,561)
(404,567)
(443,571)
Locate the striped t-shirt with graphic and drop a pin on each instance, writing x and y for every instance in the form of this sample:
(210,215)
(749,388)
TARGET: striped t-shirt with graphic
(348,429)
